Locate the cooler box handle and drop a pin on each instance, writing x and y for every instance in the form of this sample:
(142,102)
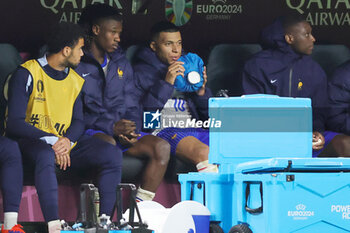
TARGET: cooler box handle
(247,194)
(192,192)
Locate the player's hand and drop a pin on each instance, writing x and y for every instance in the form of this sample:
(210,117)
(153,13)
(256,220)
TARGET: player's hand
(63,160)
(125,127)
(128,141)
(201,91)
(174,70)
(318,140)
(62,148)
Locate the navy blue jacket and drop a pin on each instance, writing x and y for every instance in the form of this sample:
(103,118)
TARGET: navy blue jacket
(339,98)
(280,71)
(154,91)
(107,100)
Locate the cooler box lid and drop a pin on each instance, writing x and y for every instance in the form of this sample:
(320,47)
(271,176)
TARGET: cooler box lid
(294,165)
(259,126)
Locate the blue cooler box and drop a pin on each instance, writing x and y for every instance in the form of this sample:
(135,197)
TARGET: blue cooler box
(284,195)
(259,126)
(252,127)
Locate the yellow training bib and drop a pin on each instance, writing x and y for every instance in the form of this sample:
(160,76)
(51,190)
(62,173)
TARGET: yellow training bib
(50,105)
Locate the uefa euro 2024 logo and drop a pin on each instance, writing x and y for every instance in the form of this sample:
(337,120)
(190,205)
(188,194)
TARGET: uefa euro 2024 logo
(178,11)
(152,120)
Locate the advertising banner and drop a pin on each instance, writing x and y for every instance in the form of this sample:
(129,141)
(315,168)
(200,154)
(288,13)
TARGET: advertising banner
(204,23)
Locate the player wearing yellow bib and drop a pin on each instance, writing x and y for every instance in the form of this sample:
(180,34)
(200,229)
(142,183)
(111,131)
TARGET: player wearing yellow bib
(51,102)
(45,116)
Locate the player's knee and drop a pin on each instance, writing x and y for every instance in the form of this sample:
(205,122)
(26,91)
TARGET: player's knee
(161,151)
(106,138)
(341,144)
(201,152)
(111,141)
(44,159)
(11,151)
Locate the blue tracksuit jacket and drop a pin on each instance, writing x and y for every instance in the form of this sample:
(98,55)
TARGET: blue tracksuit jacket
(339,98)
(154,91)
(107,99)
(280,71)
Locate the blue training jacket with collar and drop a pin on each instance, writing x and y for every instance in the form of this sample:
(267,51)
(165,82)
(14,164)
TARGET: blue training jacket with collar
(280,71)
(339,98)
(154,91)
(107,99)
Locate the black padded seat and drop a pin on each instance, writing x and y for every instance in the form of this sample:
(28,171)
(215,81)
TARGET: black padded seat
(225,64)
(9,60)
(330,56)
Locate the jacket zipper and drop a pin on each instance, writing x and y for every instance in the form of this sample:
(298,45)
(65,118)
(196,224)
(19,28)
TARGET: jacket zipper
(290,81)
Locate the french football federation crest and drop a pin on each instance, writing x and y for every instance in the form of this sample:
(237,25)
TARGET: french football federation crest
(120,73)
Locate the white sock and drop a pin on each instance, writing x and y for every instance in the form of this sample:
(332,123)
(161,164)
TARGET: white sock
(205,166)
(54,226)
(104,220)
(10,219)
(144,195)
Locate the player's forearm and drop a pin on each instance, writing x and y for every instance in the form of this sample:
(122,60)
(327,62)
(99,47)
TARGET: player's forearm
(18,128)
(76,129)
